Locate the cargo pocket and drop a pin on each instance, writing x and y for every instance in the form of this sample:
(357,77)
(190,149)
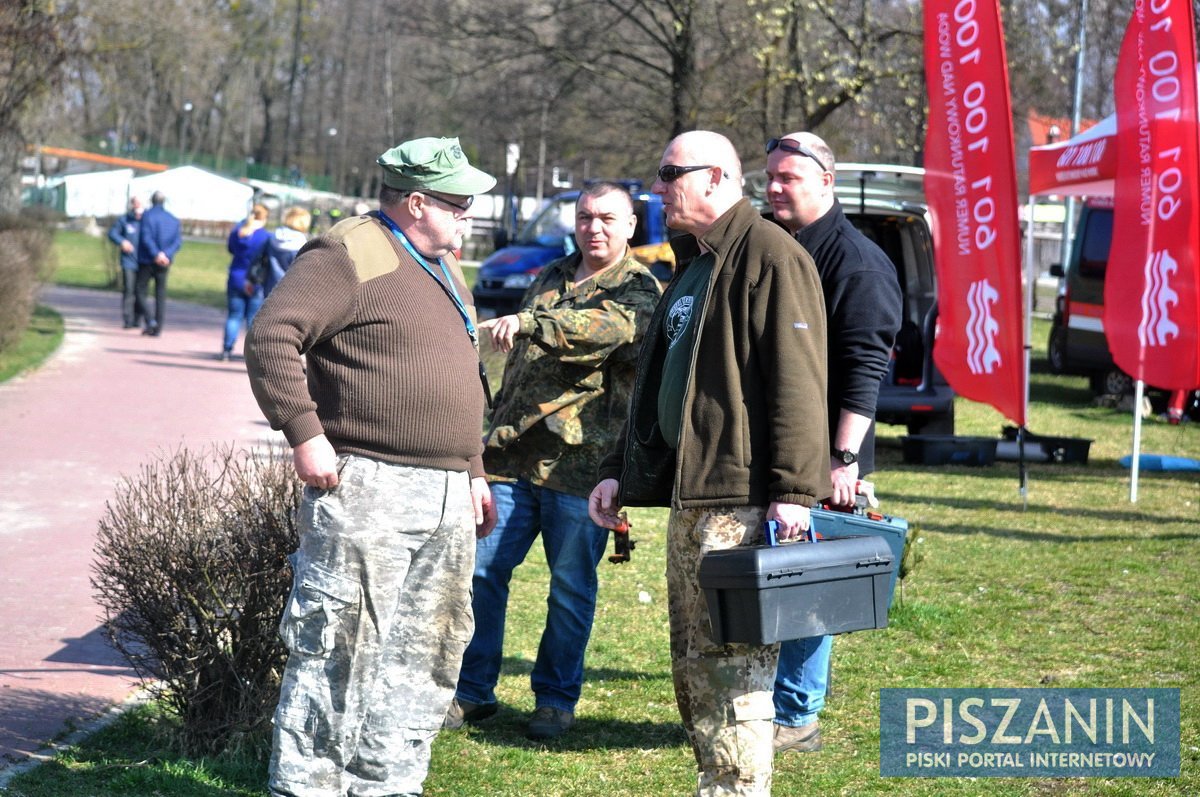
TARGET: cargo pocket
(321,606)
(746,745)
(752,706)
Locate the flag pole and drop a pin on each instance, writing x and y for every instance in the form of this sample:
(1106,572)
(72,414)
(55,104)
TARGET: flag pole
(1138,389)
(1030,287)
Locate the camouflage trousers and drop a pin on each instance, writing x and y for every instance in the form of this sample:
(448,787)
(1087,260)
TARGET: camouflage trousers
(376,625)
(723,691)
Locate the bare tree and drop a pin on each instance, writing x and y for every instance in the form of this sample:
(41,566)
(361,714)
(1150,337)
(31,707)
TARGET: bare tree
(594,87)
(35,40)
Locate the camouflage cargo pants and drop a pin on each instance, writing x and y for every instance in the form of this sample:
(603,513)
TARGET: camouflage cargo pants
(376,625)
(723,691)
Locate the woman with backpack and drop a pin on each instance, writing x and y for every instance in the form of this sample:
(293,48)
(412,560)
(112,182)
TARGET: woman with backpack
(246,243)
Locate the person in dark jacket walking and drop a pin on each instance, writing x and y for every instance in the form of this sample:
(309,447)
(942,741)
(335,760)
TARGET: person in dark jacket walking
(727,426)
(863,306)
(159,240)
(124,233)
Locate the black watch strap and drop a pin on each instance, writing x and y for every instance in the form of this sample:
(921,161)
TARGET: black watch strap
(844,456)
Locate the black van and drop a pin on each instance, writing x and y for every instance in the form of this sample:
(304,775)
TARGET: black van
(1077,344)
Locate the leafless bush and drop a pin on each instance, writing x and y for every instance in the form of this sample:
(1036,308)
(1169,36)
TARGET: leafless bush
(26,259)
(191,572)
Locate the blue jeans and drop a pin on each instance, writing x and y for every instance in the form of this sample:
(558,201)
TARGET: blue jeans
(574,546)
(240,306)
(801,680)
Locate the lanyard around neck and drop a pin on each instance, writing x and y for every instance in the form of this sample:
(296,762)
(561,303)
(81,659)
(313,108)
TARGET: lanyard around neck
(447,286)
(449,289)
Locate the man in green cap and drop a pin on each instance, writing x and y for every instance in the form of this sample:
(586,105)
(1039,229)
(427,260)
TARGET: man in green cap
(365,356)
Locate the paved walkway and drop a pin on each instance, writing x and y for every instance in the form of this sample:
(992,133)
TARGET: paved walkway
(107,402)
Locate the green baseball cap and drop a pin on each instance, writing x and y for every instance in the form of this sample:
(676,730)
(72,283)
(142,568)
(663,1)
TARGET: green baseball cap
(433,164)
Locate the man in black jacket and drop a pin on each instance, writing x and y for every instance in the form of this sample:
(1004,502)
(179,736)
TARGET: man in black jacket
(863,307)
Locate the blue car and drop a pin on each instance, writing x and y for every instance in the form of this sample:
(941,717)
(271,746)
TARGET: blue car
(505,275)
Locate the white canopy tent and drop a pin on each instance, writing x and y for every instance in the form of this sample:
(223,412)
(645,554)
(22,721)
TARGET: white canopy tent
(196,194)
(95,194)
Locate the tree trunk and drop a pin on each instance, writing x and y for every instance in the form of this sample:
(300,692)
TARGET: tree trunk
(12,151)
(291,145)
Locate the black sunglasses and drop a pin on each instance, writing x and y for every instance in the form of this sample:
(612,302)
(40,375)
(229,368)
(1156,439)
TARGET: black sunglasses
(788,145)
(669,173)
(463,207)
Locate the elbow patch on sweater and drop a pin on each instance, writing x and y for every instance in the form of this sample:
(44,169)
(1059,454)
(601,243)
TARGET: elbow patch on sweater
(369,246)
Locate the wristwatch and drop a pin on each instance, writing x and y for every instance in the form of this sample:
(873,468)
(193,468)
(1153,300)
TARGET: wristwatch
(845,457)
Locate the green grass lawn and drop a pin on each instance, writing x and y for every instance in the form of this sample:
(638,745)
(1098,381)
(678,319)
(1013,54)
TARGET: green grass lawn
(1070,586)
(198,274)
(85,261)
(41,339)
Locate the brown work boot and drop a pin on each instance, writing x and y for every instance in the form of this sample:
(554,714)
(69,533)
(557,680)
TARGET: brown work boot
(805,739)
(464,711)
(549,723)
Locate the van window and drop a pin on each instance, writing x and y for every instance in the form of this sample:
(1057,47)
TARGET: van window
(907,244)
(1097,237)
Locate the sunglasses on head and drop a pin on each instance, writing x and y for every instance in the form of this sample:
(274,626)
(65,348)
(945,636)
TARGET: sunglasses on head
(789,145)
(669,173)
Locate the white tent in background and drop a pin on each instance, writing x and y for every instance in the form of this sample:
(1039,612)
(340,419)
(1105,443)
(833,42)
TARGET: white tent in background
(196,194)
(96,194)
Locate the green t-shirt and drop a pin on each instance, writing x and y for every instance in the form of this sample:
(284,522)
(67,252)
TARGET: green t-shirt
(680,329)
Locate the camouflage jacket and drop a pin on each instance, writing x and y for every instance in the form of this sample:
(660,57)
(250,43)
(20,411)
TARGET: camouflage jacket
(567,380)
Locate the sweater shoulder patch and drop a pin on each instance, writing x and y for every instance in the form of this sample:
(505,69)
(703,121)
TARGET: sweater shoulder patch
(368,246)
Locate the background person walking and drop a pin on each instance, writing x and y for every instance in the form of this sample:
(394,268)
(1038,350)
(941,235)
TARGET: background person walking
(282,247)
(159,240)
(124,233)
(243,296)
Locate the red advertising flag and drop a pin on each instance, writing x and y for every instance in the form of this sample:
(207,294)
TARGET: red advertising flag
(971,188)
(1152,288)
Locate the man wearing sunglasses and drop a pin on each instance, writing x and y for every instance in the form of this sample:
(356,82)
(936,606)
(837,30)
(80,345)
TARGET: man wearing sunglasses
(365,356)
(863,304)
(727,426)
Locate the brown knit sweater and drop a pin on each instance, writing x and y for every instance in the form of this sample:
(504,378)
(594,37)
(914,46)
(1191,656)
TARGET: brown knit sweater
(391,372)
